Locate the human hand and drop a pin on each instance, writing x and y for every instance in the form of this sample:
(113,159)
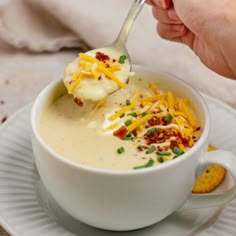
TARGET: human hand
(207,27)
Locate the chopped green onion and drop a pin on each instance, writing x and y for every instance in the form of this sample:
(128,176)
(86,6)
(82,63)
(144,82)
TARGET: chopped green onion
(140,146)
(164,153)
(122,59)
(127,102)
(168,118)
(128,122)
(177,151)
(122,115)
(133,114)
(151,131)
(160,159)
(120,150)
(129,137)
(144,113)
(151,149)
(175,157)
(148,164)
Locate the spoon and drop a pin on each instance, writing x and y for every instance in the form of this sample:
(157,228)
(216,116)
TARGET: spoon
(120,41)
(77,77)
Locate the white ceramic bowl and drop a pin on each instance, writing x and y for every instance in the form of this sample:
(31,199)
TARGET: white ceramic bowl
(127,200)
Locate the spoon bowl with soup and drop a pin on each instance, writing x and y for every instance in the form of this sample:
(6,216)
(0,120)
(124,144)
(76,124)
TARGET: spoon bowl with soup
(99,72)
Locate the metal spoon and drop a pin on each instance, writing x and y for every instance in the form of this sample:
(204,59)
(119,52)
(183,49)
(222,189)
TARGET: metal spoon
(97,91)
(120,41)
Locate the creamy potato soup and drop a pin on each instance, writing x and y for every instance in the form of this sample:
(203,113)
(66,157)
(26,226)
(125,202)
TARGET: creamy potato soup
(136,127)
(95,74)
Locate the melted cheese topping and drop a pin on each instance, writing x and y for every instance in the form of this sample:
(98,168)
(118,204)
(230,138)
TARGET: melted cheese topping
(96,74)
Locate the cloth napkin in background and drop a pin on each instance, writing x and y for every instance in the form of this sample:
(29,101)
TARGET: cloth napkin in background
(51,25)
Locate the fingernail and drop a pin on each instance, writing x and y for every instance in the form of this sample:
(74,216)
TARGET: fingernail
(173,15)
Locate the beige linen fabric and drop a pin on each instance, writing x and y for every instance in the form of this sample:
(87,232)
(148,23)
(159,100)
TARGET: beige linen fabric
(50,25)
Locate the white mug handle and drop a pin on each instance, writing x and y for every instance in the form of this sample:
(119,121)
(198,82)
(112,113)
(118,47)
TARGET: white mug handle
(226,159)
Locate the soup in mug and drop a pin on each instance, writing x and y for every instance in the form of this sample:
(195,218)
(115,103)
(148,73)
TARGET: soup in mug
(134,128)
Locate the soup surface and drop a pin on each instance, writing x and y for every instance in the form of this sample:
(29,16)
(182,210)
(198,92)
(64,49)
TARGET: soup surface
(137,127)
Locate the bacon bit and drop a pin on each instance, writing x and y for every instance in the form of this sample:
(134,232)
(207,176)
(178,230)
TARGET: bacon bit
(155,121)
(3,119)
(135,133)
(164,122)
(100,77)
(183,140)
(198,128)
(102,57)
(151,138)
(121,132)
(173,144)
(78,102)
(113,60)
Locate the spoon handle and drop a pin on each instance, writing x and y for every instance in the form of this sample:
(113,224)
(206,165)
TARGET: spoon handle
(128,23)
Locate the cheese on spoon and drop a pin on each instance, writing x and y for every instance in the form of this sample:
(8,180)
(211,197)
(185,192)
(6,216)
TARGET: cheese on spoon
(96,74)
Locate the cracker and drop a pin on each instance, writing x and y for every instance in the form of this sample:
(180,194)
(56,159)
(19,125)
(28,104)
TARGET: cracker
(211,178)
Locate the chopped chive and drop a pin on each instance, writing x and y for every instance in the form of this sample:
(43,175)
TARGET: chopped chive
(151,149)
(122,115)
(140,146)
(122,59)
(177,151)
(148,164)
(164,153)
(127,102)
(133,114)
(120,150)
(160,159)
(175,157)
(129,137)
(128,122)
(151,131)
(144,113)
(168,118)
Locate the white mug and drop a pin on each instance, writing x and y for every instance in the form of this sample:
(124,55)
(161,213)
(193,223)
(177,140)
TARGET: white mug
(130,199)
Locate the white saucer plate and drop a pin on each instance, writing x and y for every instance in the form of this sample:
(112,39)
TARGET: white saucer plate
(27,209)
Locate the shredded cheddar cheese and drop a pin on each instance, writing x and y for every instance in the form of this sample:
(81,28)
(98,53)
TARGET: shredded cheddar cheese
(122,110)
(110,75)
(188,113)
(161,122)
(171,100)
(101,75)
(112,126)
(139,122)
(76,80)
(153,87)
(153,98)
(88,58)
